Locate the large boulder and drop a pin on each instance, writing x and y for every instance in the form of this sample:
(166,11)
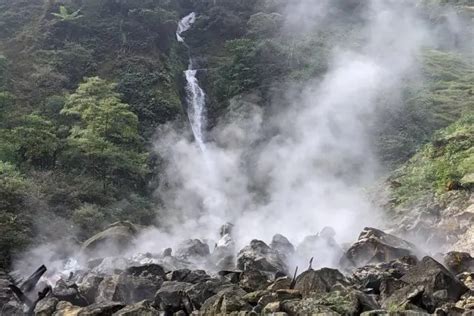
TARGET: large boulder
(69,293)
(170,297)
(64,308)
(111,241)
(459,262)
(371,277)
(322,247)
(200,292)
(46,306)
(253,280)
(375,246)
(192,249)
(224,251)
(100,309)
(429,285)
(319,281)
(282,245)
(188,276)
(230,299)
(259,256)
(89,285)
(135,288)
(142,308)
(307,306)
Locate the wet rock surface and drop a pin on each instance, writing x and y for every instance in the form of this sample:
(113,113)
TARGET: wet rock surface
(384,277)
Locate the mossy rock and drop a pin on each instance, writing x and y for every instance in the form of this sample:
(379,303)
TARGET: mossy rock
(111,241)
(467,181)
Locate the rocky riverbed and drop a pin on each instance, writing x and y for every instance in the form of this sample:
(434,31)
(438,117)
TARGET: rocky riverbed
(379,274)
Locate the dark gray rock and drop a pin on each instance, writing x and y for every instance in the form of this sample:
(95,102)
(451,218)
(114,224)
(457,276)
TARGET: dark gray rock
(132,289)
(319,281)
(108,289)
(228,300)
(147,271)
(370,277)
(429,286)
(188,276)
(259,256)
(100,309)
(89,286)
(375,246)
(169,297)
(253,280)
(434,277)
(69,293)
(459,262)
(200,292)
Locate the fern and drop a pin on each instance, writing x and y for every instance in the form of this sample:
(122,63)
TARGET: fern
(64,14)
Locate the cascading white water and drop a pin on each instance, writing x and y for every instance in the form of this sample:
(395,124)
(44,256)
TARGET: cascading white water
(196,98)
(184,25)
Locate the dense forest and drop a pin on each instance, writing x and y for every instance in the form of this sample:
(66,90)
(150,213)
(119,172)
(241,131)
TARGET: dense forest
(84,84)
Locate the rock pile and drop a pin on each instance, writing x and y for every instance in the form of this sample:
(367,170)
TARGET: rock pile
(380,274)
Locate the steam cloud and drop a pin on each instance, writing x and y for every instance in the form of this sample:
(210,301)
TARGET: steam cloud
(304,162)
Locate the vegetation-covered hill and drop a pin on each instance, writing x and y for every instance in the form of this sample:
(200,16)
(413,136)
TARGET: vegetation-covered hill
(85,83)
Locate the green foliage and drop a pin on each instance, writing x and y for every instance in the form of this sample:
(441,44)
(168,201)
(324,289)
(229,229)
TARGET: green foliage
(14,226)
(88,218)
(105,136)
(440,164)
(151,93)
(241,73)
(3,71)
(64,15)
(427,106)
(35,141)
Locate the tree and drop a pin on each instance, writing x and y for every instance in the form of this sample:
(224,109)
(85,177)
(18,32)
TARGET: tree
(35,141)
(104,139)
(14,223)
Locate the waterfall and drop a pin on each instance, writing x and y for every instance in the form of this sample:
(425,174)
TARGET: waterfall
(195,96)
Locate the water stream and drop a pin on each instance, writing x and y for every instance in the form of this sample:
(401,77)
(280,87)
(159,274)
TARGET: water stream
(195,96)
